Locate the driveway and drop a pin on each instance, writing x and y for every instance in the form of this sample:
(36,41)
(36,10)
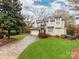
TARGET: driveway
(12,50)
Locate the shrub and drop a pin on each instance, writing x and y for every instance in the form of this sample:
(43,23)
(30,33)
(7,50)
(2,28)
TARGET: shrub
(57,36)
(77,36)
(63,36)
(43,35)
(70,29)
(14,32)
(71,37)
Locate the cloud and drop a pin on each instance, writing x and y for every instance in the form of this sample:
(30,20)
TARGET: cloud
(37,0)
(55,6)
(25,12)
(60,4)
(28,5)
(27,1)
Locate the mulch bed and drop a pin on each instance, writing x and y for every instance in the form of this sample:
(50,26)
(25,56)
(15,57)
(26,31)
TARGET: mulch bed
(75,53)
(6,41)
(63,38)
(55,37)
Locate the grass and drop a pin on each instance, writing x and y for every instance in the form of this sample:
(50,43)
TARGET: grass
(20,36)
(50,49)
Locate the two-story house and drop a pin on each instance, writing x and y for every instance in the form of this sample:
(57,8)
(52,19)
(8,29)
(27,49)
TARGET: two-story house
(55,25)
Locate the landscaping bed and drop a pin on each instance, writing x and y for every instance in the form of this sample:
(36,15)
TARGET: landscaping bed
(56,36)
(50,48)
(67,37)
(6,41)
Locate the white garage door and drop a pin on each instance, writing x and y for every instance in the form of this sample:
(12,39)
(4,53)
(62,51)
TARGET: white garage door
(34,32)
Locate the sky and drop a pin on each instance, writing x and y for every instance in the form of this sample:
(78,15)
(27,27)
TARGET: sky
(50,5)
(53,4)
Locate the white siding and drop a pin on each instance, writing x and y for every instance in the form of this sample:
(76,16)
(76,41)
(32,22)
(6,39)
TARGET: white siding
(56,31)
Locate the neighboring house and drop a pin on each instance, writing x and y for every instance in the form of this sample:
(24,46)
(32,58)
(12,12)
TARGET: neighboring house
(55,25)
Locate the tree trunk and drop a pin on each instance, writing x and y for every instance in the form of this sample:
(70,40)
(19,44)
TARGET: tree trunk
(2,29)
(9,34)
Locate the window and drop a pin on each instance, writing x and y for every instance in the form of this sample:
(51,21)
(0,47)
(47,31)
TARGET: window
(58,20)
(77,17)
(52,20)
(50,29)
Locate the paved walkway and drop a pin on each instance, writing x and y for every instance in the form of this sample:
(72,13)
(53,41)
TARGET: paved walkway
(12,50)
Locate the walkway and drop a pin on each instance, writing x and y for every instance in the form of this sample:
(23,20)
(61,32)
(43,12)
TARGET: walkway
(12,50)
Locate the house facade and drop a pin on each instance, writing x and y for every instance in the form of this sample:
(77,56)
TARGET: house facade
(54,25)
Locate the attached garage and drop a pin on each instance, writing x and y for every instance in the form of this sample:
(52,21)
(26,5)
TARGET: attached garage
(34,32)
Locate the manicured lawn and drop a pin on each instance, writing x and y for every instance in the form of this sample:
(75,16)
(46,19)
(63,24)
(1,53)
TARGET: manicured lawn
(50,49)
(20,36)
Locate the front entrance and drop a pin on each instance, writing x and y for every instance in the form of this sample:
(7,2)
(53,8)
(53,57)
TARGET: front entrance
(42,31)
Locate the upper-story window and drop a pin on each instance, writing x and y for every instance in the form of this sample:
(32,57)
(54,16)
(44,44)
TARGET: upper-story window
(52,20)
(58,21)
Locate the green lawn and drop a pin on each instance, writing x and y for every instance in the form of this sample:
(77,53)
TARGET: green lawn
(50,49)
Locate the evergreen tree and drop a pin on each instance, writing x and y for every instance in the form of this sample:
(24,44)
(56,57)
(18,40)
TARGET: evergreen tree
(12,19)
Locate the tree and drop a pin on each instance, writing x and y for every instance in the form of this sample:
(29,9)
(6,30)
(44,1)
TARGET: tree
(68,18)
(75,4)
(10,6)
(70,29)
(77,29)
(75,1)
(13,19)
(28,22)
(8,24)
(40,13)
